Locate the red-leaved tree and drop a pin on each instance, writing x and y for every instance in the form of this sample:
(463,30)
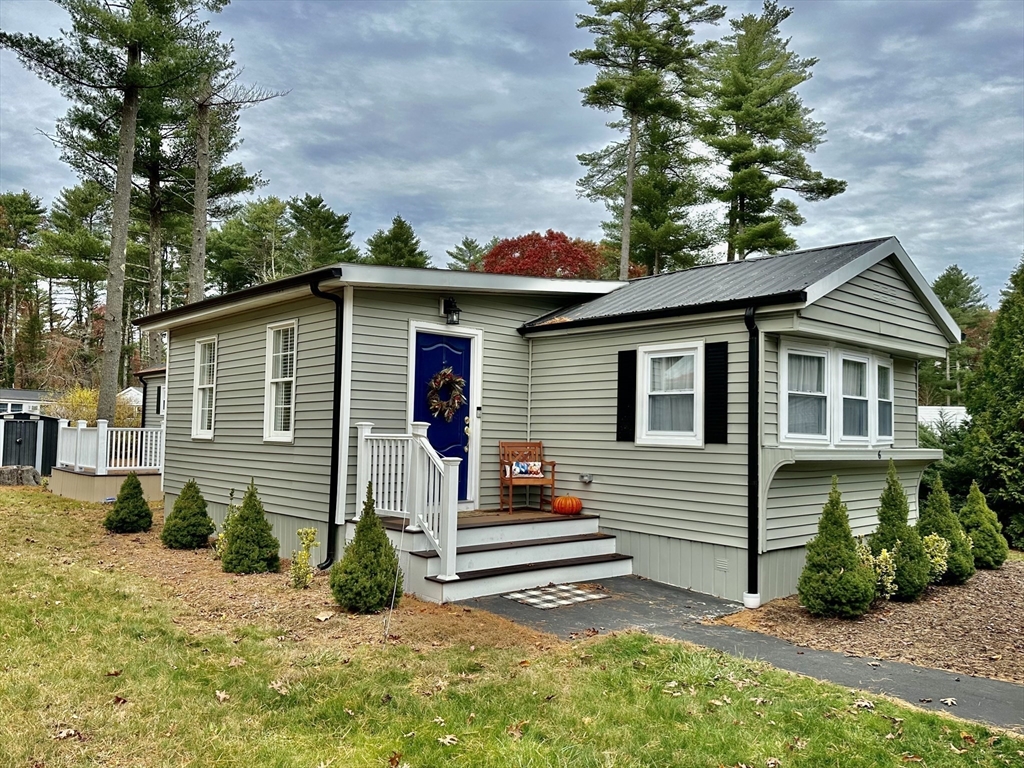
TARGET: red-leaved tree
(553,254)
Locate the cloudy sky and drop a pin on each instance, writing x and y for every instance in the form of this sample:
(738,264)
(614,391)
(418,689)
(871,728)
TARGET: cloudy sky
(465,117)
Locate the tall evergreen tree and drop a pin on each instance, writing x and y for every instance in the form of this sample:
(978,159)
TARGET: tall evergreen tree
(21,218)
(758,126)
(468,256)
(397,247)
(644,54)
(319,235)
(995,400)
(895,535)
(125,48)
(251,247)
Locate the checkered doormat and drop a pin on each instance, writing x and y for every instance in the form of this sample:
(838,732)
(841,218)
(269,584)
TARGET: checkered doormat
(554,596)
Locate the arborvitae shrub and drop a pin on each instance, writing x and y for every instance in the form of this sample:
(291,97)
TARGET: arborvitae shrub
(982,525)
(834,581)
(189,525)
(367,574)
(130,513)
(937,517)
(250,546)
(911,561)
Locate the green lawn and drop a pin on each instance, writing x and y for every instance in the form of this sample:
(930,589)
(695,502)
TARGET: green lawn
(95,671)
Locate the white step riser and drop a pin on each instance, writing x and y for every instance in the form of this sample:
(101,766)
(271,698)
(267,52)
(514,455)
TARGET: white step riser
(499,558)
(495,585)
(471,537)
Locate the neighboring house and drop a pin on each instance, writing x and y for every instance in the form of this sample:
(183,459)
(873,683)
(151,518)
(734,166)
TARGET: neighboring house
(153,397)
(700,415)
(22,400)
(935,415)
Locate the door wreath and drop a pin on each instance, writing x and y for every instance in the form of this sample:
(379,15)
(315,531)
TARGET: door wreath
(447,409)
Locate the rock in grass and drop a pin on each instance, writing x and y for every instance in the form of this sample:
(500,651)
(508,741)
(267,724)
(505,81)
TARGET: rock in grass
(130,513)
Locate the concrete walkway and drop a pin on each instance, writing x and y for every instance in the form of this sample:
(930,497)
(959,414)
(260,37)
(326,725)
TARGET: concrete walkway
(662,610)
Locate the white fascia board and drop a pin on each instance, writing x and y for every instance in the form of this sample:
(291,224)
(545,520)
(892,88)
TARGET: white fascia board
(906,267)
(892,344)
(898,455)
(226,310)
(373,276)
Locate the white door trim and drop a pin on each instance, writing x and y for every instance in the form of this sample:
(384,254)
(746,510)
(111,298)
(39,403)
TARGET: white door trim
(476,336)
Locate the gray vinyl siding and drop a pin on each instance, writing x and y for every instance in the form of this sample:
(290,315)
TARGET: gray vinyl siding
(779,571)
(380,367)
(292,478)
(798,492)
(904,378)
(879,302)
(697,494)
(770,391)
(711,569)
(154,388)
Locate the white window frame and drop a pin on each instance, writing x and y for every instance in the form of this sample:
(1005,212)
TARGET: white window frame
(869,398)
(271,435)
(784,394)
(646,436)
(877,435)
(834,356)
(198,432)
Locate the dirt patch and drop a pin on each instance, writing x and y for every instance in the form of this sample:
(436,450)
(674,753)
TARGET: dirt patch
(216,602)
(974,629)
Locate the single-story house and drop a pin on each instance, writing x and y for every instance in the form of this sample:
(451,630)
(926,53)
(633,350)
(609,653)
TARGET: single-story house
(22,400)
(699,415)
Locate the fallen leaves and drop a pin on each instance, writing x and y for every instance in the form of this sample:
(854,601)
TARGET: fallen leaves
(863,704)
(324,616)
(279,686)
(949,702)
(516,729)
(448,741)
(236,662)
(222,696)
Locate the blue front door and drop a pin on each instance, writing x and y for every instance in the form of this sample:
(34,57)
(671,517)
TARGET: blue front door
(434,353)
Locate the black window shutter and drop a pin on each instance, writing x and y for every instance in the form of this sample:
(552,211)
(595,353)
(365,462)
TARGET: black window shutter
(716,392)
(625,415)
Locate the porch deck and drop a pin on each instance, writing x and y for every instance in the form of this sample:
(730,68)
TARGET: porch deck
(485,518)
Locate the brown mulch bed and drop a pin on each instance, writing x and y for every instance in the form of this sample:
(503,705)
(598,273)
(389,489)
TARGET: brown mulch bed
(975,629)
(211,601)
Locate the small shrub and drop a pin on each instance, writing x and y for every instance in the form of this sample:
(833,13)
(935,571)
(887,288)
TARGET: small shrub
(911,561)
(130,513)
(883,566)
(189,525)
(367,575)
(937,518)
(301,573)
(221,542)
(834,582)
(936,549)
(982,525)
(250,546)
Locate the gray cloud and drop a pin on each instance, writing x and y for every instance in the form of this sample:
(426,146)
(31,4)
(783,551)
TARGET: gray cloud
(465,118)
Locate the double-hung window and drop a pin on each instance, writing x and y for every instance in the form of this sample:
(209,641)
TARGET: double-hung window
(204,388)
(279,405)
(807,396)
(855,403)
(884,371)
(671,402)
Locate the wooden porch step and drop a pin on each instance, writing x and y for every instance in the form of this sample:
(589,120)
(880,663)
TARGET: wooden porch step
(485,573)
(487,521)
(578,538)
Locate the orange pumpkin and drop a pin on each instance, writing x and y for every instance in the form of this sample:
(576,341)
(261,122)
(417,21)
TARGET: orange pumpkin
(567,505)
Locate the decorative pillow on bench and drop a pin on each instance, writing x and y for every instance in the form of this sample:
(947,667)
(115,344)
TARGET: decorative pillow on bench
(525,469)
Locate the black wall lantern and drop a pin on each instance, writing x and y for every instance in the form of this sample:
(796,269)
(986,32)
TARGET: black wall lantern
(451,311)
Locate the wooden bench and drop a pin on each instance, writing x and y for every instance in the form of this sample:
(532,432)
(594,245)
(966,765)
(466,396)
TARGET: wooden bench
(529,452)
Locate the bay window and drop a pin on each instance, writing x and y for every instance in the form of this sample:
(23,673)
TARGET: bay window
(855,398)
(884,402)
(807,398)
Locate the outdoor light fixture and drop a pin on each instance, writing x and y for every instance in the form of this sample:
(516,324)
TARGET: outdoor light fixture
(451,311)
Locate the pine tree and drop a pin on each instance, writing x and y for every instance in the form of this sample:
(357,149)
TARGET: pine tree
(397,247)
(189,525)
(130,513)
(251,546)
(937,517)
(367,575)
(468,256)
(320,236)
(982,525)
(645,55)
(759,127)
(893,527)
(834,582)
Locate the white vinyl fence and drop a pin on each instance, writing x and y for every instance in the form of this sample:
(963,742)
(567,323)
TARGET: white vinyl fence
(101,449)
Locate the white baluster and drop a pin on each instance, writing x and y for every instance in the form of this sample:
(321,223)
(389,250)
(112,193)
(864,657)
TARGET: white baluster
(101,446)
(363,430)
(449,518)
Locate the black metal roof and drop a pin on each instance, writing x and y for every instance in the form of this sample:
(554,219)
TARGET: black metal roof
(762,281)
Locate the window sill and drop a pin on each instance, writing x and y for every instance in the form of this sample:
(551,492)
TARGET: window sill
(203,438)
(279,440)
(651,441)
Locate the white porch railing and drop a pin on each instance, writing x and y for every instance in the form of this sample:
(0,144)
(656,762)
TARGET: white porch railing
(101,448)
(412,481)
